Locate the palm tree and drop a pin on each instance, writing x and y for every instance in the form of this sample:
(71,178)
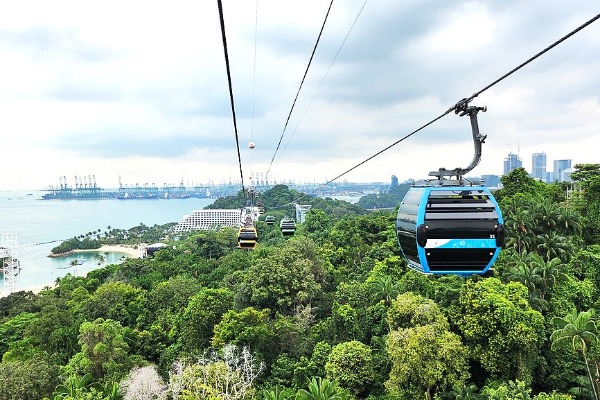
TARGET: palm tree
(518,228)
(550,272)
(545,215)
(553,245)
(583,389)
(578,331)
(71,385)
(528,270)
(464,392)
(323,389)
(278,393)
(569,220)
(383,288)
(520,269)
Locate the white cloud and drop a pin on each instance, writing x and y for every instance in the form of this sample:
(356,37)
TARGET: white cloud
(139,89)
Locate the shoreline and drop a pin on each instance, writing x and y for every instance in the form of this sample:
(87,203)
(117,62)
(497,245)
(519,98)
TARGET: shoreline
(128,250)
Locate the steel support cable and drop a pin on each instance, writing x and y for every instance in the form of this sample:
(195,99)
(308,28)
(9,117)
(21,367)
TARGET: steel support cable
(253,84)
(559,41)
(301,83)
(237,140)
(457,106)
(322,80)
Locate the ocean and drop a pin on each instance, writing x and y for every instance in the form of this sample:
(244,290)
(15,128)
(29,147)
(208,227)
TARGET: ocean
(37,222)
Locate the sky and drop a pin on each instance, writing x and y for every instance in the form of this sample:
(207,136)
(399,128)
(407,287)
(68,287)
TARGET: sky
(137,91)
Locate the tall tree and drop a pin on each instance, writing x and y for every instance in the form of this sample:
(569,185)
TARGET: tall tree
(504,333)
(351,365)
(577,331)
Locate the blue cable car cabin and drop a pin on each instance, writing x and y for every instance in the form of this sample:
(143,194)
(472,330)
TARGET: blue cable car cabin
(450,229)
(247,237)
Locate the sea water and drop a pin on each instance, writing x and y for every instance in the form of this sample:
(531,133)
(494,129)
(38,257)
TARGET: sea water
(41,225)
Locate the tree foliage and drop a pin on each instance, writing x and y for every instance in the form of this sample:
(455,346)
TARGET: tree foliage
(332,312)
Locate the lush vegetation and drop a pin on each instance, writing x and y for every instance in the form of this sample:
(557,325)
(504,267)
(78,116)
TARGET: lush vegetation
(330,313)
(95,239)
(279,201)
(390,199)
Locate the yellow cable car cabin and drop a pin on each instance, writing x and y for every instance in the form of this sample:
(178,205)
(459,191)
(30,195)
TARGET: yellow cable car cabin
(247,238)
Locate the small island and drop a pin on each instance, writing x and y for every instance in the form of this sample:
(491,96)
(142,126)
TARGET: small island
(113,240)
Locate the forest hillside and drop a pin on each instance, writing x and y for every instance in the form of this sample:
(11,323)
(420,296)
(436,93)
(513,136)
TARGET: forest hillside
(332,312)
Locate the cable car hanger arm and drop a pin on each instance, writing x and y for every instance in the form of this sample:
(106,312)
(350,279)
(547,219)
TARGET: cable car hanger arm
(462,108)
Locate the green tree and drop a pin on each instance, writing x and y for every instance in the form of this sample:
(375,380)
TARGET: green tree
(350,364)
(501,329)
(424,354)
(317,224)
(228,375)
(248,327)
(553,245)
(464,392)
(384,288)
(200,316)
(578,332)
(213,243)
(104,352)
(278,393)
(322,389)
(587,199)
(290,276)
(13,329)
(117,301)
(409,310)
(507,391)
(73,386)
(30,379)
(425,358)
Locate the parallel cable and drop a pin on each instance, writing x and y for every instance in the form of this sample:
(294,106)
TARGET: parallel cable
(301,83)
(322,80)
(237,140)
(462,103)
(253,85)
(559,41)
(254,70)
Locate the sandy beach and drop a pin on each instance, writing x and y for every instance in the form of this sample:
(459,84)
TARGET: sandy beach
(129,251)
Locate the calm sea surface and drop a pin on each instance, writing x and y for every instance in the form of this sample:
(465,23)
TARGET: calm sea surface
(38,221)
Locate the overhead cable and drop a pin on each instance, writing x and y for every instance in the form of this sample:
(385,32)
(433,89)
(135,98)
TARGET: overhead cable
(237,140)
(253,89)
(322,80)
(459,105)
(301,83)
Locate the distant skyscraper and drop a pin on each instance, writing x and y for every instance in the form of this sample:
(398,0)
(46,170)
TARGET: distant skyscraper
(538,166)
(511,162)
(559,167)
(565,175)
(491,180)
(394,181)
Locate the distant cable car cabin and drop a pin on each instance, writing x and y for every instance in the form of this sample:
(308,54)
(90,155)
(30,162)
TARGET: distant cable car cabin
(447,226)
(287,226)
(270,220)
(247,237)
